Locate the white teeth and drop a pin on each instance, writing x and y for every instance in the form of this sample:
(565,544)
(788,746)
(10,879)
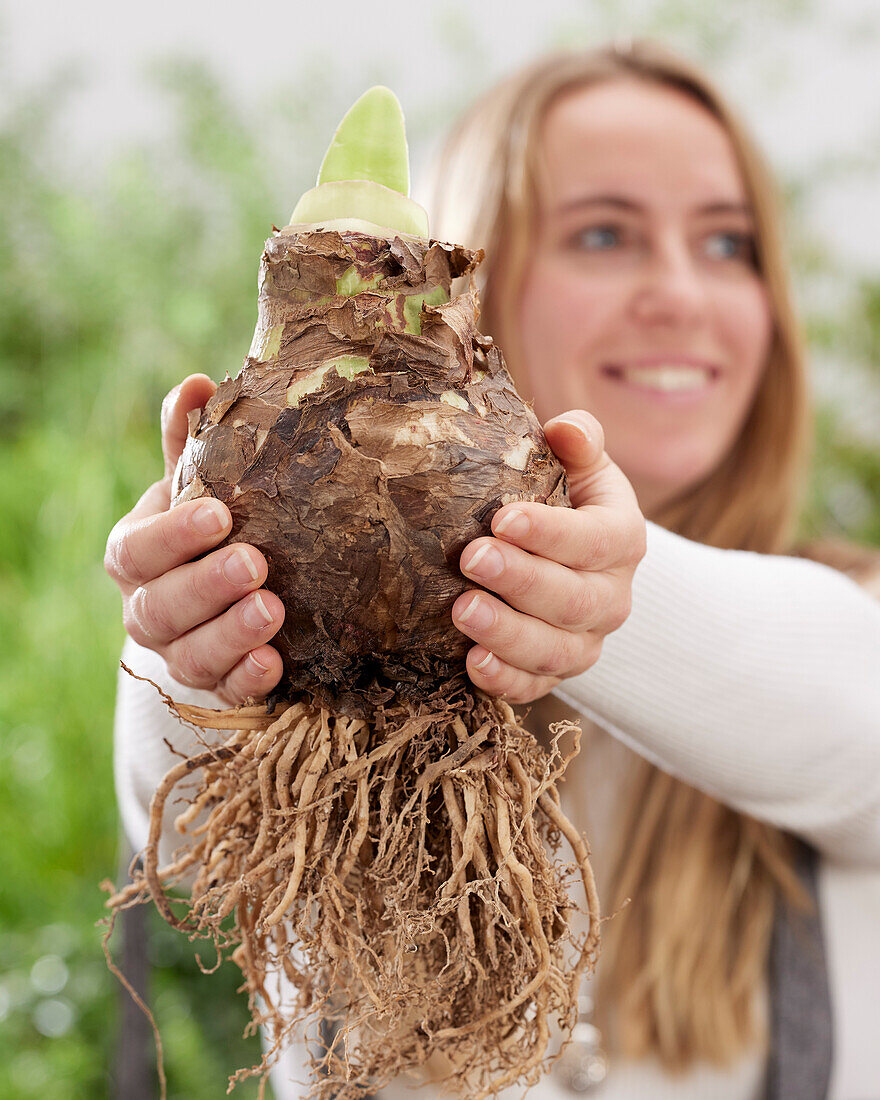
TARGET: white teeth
(667,379)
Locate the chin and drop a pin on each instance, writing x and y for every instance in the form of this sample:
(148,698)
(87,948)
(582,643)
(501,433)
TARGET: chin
(659,484)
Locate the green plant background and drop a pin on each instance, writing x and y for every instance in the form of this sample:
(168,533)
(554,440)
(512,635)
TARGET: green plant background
(115,288)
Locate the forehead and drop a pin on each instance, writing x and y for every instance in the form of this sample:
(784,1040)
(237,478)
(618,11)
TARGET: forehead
(655,144)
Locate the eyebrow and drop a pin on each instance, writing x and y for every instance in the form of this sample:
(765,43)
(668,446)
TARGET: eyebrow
(634,207)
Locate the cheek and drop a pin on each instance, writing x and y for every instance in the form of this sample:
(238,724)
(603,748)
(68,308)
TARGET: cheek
(545,310)
(560,318)
(745,326)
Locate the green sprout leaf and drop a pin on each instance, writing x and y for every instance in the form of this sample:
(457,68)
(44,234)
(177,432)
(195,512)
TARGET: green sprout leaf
(364,200)
(370,143)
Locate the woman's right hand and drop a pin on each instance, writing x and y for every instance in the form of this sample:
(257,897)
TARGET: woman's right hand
(209,619)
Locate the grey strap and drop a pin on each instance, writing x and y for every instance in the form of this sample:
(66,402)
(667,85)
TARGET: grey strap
(801,1036)
(327,1034)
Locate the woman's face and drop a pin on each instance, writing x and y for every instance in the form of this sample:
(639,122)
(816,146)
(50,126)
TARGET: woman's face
(641,302)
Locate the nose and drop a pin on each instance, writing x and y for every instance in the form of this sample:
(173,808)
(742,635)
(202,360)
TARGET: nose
(671,290)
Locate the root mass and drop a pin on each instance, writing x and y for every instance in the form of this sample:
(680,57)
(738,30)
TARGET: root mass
(394,881)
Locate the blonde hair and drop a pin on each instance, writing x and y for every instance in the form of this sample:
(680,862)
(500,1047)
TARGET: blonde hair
(683,961)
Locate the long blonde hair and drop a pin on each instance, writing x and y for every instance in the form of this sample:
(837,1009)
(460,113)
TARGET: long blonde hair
(682,961)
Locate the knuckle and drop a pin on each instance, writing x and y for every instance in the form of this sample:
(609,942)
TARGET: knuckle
(110,563)
(559,658)
(523,578)
(527,687)
(191,668)
(508,631)
(620,611)
(591,653)
(167,531)
(110,552)
(557,533)
(120,561)
(531,688)
(176,672)
(599,543)
(202,582)
(133,627)
(151,615)
(580,609)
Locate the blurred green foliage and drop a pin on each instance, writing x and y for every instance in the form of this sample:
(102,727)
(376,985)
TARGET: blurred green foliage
(114,290)
(112,294)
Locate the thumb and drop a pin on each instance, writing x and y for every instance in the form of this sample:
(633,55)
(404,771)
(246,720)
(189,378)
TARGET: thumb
(192,393)
(577,440)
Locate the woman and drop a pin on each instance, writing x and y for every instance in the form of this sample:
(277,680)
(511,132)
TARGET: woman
(633,269)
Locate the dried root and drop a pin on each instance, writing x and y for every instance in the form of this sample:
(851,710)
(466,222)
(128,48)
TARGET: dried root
(396,877)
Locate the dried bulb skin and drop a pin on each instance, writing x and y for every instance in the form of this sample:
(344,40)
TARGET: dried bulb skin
(370,435)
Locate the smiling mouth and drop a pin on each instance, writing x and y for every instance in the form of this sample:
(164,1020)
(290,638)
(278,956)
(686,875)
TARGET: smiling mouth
(664,377)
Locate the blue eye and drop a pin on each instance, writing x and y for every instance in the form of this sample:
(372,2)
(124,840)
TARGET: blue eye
(731,246)
(598,238)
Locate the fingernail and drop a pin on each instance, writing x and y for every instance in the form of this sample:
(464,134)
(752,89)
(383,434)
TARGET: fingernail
(254,667)
(240,568)
(477,614)
(514,524)
(208,519)
(576,423)
(483,666)
(486,563)
(256,614)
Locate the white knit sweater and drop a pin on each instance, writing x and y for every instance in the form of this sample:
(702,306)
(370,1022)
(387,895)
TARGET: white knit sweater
(753,678)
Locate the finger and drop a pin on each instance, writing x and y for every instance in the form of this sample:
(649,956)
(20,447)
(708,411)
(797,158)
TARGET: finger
(192,393)
(578,441)
(521,640)
(255,675)
(204,656)
(155,499)
(183,598)
(563,597)
(581,538)
(494,676)
(139,551)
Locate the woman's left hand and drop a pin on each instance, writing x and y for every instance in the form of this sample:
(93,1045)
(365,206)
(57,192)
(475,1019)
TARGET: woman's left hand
(563,575)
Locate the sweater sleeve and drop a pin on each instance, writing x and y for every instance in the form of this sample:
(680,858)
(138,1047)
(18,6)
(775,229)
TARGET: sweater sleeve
(755,679)
(144,729)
